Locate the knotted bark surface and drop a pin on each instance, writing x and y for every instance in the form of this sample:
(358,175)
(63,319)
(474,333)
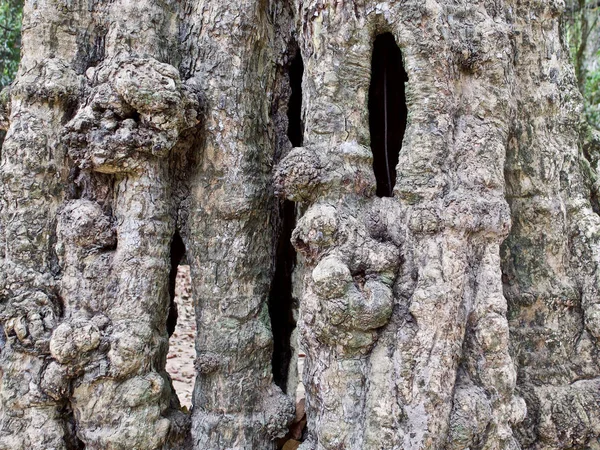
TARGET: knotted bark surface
(460,312)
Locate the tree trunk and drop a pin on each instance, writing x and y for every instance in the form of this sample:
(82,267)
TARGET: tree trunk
(460,310)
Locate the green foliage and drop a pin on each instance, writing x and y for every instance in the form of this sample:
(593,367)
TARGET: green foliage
(582,31)
(591,92)
(11,12)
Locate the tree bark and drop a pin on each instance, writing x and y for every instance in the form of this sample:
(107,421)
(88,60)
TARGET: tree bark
(463,312)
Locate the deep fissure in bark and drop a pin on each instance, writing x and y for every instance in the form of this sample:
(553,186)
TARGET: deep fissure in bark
(295,125)
(281,301)
(70,110)
(72,441)
(177,255)
(595,201)
(387,110)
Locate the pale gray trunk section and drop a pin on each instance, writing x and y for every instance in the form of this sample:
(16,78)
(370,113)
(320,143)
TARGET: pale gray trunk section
(551,257)
(232,50)
(460,313)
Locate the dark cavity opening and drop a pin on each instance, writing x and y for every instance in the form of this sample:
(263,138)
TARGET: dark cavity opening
(387,111)
(295,125)
(177,255)
(72,442)
(69,111)
(281,300)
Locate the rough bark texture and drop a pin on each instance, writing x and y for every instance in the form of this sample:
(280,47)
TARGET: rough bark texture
(463,312)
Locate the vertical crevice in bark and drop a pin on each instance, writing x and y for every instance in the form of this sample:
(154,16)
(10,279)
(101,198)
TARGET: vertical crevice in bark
(69,111)
(387,110)
(281,301)
(595,201)
(73,189)
(177,255)
(295,124)
(72,442)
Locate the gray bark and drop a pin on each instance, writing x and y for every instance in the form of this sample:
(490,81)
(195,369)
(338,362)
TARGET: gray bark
(461,313)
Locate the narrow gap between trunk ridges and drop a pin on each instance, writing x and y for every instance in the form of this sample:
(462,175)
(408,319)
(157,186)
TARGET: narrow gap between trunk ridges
(387,111)
(281,302)
(295,125)
(177,255)
(181,324)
